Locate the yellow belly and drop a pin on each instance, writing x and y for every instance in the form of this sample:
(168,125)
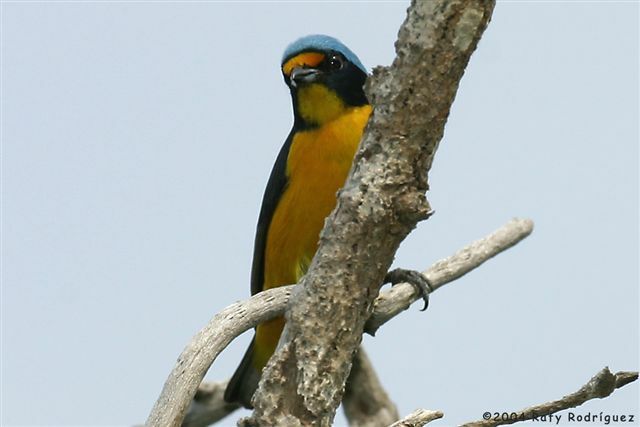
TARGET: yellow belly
(318,163)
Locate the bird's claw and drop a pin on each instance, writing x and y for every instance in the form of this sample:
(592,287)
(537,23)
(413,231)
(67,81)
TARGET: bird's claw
(417,279)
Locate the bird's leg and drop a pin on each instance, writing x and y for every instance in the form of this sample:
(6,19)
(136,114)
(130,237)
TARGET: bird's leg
(417,279)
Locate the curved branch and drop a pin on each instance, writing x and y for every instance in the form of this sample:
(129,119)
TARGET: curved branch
(181,385)
(600,386)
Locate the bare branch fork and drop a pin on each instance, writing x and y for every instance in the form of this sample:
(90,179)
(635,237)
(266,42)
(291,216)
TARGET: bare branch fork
(208,405)
(182,384)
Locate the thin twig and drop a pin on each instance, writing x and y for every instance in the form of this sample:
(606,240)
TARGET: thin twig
(600,386)
(418,418)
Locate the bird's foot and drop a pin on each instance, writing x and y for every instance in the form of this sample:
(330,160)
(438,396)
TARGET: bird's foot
(417,279)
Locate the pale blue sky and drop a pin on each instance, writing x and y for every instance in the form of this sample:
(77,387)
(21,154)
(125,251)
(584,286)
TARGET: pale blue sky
(136,142)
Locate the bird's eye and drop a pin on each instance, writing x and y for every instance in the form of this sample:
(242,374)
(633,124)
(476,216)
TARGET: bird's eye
(335,63)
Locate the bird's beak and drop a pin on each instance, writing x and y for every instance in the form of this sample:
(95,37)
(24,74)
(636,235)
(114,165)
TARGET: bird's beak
(303,75)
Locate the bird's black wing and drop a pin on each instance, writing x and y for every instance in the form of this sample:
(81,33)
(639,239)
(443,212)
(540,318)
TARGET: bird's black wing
(275,187)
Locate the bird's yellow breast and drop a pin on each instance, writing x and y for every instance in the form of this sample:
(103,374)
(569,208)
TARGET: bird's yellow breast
(317,166)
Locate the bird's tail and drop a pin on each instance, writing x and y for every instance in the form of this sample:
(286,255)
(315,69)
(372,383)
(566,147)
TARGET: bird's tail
(244,381)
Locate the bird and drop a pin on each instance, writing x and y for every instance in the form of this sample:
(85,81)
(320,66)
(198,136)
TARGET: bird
(330,111)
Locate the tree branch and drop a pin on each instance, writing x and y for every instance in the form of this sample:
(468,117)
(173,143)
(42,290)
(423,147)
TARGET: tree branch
(380,203)
(205,346)
(600,386)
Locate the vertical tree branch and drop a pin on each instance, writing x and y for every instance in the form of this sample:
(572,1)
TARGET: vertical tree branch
(381,202)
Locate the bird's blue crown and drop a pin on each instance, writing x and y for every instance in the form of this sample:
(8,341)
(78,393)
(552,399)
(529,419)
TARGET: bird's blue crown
(321,42)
